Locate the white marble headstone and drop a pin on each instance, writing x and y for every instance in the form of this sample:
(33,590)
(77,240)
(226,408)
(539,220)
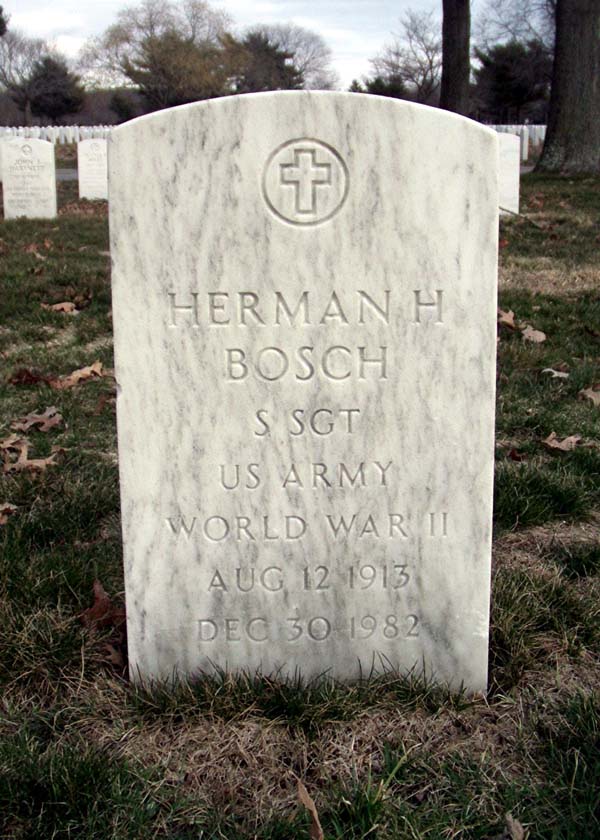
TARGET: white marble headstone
(524,135)
(304,298)
(28,178)
(509,153)
(92,168)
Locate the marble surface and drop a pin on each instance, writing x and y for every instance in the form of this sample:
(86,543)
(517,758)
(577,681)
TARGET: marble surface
(28,179)
(509,172)
(304,299)
(92,168)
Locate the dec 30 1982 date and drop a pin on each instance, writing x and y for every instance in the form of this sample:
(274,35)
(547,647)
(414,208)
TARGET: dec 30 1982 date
(317,628)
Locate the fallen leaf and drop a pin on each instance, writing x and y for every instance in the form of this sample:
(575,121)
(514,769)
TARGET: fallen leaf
(47,244)
(24,463)
(529,334)
(503,243)
(80,299)
(82,375)
(13,442)
(45,421)
(517,456)
(103,612)
(592,394)
(65,306)
(556,374)
(316,832)
(6,510)
(507,319)
(566,445)
(514,829)
(104,400)
(27,376)
(32,248)
(83,299)
(114,656)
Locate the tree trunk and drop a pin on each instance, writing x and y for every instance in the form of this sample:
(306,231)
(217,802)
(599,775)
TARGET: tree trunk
(456,60)
(572,143)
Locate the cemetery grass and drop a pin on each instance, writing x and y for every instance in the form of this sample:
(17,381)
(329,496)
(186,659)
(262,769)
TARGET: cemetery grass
(85,755)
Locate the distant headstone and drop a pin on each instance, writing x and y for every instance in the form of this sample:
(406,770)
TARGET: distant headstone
(92,171)
(524,134)
(28,179)
(304,302)
(509,172)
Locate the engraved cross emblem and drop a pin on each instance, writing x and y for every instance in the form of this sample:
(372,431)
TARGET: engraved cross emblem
(305,175)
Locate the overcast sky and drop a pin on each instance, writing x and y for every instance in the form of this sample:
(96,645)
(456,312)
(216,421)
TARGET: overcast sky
(354,29)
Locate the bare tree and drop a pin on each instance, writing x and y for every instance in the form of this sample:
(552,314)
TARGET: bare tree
(310,53)
(415,56)
(104,60)
(18,57)
(516,20)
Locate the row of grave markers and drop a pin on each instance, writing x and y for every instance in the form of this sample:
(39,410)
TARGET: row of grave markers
(27,169)
(61,134)
(29,175)
(534,134)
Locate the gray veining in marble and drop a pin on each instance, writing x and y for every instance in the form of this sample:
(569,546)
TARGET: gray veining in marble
(28,179)
(92,168)
(304,297)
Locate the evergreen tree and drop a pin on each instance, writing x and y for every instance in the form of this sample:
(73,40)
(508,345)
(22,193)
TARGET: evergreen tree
(263,65)
(53,90)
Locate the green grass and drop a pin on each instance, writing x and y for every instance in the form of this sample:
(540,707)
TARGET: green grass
(85,755)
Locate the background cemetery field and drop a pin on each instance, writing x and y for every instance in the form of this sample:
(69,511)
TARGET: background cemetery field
(83,755)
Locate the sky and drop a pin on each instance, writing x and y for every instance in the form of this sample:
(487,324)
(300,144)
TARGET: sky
(354,29)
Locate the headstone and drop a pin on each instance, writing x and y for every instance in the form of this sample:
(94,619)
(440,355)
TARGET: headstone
(304,302)
(91,166)
(524,134)
(28,179)
(509,153)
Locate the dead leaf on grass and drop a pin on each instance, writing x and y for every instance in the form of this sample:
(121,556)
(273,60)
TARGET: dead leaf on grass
(114,656)
(27,376)
(304,797)
(592,394)
(102,613)
(80,299)
(26,464)
(6,510)
(33,249)
(66,306)
(45,421)
(566,445)
(530,334)
(514,829)
(93,371)
(507,319)
(103,401)
(556,374)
